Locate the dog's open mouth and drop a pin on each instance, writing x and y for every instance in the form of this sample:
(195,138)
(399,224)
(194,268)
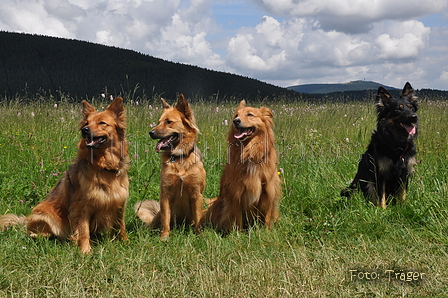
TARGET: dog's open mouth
(244,132)
(95,142)
(410,128)
(166,142)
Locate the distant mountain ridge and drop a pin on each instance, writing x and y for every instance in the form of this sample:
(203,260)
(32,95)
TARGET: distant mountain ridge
(359,85)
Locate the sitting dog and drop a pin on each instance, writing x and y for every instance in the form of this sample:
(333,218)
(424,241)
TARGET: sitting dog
(384,169)
(91,195)
(250,185)
(182,178)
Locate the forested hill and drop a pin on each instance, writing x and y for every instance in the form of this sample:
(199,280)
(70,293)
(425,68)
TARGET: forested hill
(330,88)
(33,63)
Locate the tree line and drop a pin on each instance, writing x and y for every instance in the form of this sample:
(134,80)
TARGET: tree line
(32,63)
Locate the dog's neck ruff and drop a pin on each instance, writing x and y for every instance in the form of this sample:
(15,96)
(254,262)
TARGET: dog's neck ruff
(400,151)
(174,158)
(112,171)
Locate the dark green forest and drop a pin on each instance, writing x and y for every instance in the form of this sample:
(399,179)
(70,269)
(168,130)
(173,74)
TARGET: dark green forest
(35,65)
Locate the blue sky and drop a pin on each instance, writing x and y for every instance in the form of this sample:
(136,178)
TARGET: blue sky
(283,42)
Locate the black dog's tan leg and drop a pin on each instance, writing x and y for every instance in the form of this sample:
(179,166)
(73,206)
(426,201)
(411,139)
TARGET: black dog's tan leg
(401,195)
(383,196)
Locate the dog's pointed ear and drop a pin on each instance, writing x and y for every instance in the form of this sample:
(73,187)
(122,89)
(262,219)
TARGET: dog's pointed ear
(87,109)
(242,104)
(165,104)
(116,106)
(267,113)
(383,96)
(183,106)
(407,90)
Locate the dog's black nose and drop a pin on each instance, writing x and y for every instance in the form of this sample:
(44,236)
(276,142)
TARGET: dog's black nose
(85,130)
(237,121)
(152,133)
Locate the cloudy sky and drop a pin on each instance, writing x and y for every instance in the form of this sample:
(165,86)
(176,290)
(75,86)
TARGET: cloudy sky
(284,42)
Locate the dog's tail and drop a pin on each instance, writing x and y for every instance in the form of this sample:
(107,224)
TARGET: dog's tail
(9,220)
(146,211)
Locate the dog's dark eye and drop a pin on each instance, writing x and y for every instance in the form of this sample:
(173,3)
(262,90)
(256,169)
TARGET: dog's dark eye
(103,123)
(250,115)
(168,121)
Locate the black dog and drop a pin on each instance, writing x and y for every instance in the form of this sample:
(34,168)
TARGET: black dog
(384,169)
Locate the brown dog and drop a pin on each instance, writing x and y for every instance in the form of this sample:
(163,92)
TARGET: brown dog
(91,196)
(182,179)
(250,186)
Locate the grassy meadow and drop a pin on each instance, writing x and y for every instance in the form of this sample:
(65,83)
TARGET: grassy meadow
(321,246)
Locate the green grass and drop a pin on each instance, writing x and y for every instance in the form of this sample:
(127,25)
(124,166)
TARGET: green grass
(309,252)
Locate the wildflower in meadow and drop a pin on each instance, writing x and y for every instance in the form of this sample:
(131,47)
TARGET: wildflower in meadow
(32,114)
(217,109)
(111,97)
(55,105)
(103,95)
(19,114)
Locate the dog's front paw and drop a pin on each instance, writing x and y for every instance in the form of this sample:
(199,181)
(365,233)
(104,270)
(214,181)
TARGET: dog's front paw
(165,236)
(84,246)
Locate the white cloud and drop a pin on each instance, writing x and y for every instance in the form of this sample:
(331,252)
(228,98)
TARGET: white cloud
(295,50)
(352,16)
(30,16)
(444,77)
(405,40)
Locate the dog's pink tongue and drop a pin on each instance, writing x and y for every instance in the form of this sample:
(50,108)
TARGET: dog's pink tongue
(241,133)
(163,142)
(91,143)
(410,129)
